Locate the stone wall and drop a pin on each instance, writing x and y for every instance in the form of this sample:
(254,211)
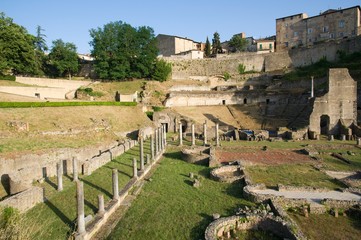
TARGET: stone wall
(25,200)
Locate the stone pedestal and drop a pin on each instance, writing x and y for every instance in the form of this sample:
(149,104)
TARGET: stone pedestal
(115,184)
(80,207)
(59,173)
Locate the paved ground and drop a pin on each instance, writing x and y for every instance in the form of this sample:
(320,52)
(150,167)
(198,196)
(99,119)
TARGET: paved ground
(312,196)
(268,157)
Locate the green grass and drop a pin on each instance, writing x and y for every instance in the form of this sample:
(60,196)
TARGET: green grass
(56,218)
(170,208)
(291,174)
(62,104)
(325,226)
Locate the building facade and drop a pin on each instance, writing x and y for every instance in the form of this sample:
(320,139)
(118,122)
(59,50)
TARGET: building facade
(301,30)
(172,45)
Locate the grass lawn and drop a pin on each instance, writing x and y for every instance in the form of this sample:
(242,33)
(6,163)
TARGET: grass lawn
(325,227)
(170,208)
(332,163)
(110,88)
(56,218)
(291,174)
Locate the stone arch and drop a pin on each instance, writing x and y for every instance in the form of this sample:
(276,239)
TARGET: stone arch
(184,125)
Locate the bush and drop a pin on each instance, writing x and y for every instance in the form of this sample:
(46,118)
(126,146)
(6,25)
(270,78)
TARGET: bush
(90,92)
(226,76)
(162,70)
(241,68)
(7,77)
(157,108)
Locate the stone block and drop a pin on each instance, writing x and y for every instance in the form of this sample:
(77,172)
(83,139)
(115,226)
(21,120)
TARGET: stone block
(17,184)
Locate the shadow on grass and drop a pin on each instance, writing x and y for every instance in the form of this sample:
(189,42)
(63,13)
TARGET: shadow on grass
(189,182)
(121,163)
(205,172)
(59,213)
(120,171)
(53,185)
(174,155)
(97,187)
(91,206)
(197,232)
(235,189)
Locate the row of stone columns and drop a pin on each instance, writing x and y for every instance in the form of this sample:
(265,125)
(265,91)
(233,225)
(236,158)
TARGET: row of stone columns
(204,134)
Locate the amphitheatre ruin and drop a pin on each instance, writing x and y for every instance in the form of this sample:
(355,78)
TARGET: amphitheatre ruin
(196,157)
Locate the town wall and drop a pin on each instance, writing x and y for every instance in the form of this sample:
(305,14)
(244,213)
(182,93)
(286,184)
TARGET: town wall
(298,57)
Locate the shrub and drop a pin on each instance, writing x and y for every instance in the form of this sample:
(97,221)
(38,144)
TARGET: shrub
(157,108)
(226,76)
(241,68)
(7,77)
(162,70)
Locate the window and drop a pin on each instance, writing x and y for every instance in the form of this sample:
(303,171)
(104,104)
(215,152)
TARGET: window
(309,30)
(310,40)
(332,35)
(286,44)
(341,23)
(325,29)
(295,34)
(286,35)
(260,46)
(341,34)
(270,46)
(353,32)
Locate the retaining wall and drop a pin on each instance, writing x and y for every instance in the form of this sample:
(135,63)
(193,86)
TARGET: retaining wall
(25,200)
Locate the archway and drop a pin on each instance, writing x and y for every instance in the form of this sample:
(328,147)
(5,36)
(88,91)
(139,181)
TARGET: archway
(324,124)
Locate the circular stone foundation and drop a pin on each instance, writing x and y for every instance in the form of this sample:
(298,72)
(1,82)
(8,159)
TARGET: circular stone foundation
(228,173)
(198,155)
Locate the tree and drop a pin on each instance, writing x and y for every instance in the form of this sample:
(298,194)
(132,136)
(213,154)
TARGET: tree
(40,48)
(122,51)
(162,70)
(16,48)
(63,59)
(216,43)
(207,48)
(237,43)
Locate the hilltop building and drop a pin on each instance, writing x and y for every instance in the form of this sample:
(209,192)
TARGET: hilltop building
(169,45)
(333,24)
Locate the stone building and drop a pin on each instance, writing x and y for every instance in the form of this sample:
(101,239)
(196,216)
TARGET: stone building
(301,30)
(265,46)
(338,107)
(172,45)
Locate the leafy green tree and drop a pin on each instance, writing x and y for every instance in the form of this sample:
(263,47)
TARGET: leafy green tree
(40,48)
(122,51)
(237,43)
(216,43)
(63,59)
(162,70)
(207,48)
(40,42)
(16,48)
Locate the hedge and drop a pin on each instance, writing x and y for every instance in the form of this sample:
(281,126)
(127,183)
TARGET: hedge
(7,77)
(62,104)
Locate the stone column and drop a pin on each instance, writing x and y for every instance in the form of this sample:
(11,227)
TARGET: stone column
(135,169)
(142,164)
(331,138)
(152,146)
(165,135)
(115,184)
(217,135)
(193,136)
(312,91)
(160,131)
(343,137)
(141,149)
(205,133)
(80,207)
(156,141)
(101,210)
(59,173)
(75,169)
(358,142)
(180,135)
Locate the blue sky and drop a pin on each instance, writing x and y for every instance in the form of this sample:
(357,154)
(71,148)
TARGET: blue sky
(71,20)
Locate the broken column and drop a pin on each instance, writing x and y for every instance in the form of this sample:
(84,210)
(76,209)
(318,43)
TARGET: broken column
(115,184)
(180,135)
(135,170)
(75,169)
(152,146)
(59,173)
(217,135)
(205,133)
(358,142)
(193,136)
(101,209)
(343,137)
(80,207)
(331,138)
